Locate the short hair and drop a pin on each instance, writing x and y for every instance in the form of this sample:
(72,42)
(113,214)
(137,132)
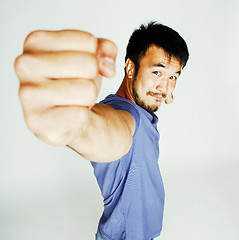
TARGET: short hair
(159,35)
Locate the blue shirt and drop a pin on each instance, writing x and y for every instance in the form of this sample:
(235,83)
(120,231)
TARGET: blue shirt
(132,186)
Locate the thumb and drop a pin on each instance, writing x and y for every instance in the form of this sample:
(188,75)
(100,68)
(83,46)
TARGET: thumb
(106,55)
(169,99)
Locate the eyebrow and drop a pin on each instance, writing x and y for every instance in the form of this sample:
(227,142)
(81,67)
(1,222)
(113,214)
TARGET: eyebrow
(163,66)
(159,65)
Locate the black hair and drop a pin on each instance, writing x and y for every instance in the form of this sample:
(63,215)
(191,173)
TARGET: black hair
(159,35)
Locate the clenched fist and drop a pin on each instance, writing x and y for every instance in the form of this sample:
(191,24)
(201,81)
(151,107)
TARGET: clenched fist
(60,76)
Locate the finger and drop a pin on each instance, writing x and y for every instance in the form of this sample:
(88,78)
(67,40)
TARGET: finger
(169,99)
(55,65)
(64,40)
(98,82)
(106,54)
(106,48)
(58,125)
(81,92)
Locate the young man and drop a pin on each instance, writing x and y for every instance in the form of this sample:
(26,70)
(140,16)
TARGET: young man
(60,75)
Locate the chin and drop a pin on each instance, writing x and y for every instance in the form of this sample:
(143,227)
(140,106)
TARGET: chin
(153,109)
(150,107)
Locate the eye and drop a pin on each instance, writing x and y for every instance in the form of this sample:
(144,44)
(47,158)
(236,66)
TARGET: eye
(157,73)
(173,78)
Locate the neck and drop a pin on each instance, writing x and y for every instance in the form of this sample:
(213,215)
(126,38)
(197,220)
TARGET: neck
(126,89)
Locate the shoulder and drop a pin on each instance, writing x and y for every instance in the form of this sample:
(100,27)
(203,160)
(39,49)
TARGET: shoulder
(119,103)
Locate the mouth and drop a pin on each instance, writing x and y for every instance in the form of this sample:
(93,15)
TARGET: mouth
(156,96)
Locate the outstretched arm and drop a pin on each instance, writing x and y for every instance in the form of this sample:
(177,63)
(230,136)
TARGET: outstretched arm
(60,75)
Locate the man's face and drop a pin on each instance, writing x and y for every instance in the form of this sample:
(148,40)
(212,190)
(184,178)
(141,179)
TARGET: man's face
(156,78)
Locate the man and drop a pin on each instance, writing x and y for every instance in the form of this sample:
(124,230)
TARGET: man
(60,75)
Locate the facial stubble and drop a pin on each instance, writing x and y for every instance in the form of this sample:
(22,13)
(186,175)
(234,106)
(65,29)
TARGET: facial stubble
(139,101)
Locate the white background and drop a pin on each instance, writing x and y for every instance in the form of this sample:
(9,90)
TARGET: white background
(50,192)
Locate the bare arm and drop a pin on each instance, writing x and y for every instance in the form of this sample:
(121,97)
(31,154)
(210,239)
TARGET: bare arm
(108,135)
(60,75)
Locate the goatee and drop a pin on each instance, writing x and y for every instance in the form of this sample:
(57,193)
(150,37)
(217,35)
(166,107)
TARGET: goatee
(141,103)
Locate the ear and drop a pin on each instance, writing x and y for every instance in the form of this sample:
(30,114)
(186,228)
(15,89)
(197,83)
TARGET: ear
(129,68)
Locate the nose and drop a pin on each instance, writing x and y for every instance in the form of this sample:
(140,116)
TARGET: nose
(162,86)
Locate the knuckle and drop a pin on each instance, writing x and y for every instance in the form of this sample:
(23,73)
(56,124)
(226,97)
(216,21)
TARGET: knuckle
(31,38)
(110,44)
(17,63)
(26,93)
(92,42)
(107,48)
(21,63)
